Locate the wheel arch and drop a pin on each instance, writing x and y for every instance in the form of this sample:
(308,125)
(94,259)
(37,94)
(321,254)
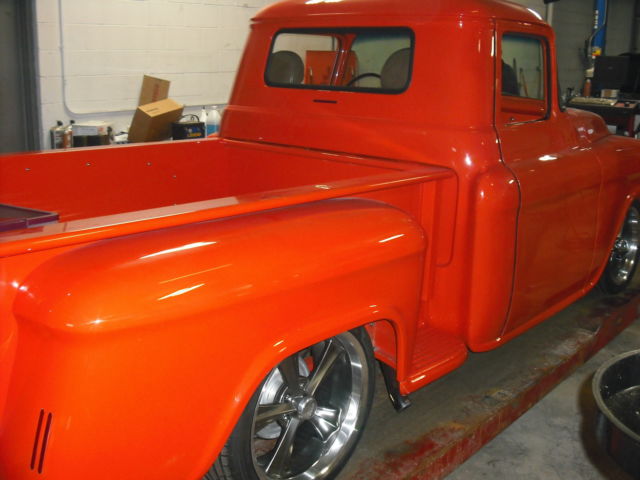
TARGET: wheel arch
(269,358)
(610,233)
(163,343)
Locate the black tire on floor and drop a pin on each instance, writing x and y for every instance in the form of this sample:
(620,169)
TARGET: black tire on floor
(624,257)
(307,415)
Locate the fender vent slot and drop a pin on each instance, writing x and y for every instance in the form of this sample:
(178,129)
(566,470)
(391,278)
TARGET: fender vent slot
(41,438)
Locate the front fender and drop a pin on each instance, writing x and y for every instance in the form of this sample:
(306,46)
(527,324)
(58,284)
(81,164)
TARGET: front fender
(620,161)
(144,349)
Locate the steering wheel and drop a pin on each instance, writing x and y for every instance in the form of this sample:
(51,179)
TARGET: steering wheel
(361,76)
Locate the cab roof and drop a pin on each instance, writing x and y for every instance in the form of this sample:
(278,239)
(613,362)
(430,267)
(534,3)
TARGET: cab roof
(501,9)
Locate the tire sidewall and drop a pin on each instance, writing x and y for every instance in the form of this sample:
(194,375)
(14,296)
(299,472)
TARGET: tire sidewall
(606,284)
(239,445)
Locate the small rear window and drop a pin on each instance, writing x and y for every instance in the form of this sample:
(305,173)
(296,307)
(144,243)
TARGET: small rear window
(371,60)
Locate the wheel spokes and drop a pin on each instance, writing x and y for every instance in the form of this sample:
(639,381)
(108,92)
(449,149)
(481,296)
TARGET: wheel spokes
(283,451)
(329,356)
(308,412)
(625,249)
(270,413)
(326,421)
(290,371)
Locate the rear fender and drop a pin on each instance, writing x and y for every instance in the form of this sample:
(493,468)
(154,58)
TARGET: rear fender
(146,348)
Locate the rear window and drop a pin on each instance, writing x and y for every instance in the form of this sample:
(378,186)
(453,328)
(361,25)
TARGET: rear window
(371,60)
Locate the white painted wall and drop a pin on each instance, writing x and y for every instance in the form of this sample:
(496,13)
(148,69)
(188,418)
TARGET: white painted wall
(93,54)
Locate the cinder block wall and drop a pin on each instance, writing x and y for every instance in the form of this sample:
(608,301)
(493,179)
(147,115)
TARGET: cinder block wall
(93,53)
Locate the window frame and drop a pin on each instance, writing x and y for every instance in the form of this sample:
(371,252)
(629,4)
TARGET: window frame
(518,105)
(342,31)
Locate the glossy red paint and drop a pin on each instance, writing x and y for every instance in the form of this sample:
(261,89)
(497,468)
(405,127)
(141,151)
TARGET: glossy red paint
(180,273)
(183,182)
(153,340)
(383,9)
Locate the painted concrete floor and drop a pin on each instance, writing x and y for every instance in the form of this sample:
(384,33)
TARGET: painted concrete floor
(554,440)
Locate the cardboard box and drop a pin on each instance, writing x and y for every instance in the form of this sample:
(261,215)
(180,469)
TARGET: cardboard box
(152,122)
(153,90)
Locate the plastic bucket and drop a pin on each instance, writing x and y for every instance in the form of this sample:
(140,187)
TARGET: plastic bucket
(616,389)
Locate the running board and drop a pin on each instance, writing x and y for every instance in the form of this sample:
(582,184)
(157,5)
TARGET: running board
(435,354)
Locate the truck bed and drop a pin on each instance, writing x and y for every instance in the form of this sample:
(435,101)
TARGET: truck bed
(104,192)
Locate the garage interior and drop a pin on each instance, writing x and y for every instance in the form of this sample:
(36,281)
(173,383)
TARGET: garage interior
(74,72)
(84,61)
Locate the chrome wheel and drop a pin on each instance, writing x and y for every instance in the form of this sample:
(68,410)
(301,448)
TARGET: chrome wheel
(623,258)
(310,410)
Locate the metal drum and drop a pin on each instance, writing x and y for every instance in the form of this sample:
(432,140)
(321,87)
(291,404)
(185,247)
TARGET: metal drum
(616,388)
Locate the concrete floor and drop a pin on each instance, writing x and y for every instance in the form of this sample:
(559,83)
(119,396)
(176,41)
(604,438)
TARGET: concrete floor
(554,440)
(458,414)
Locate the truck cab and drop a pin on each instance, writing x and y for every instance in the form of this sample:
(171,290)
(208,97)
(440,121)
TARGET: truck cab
(472,87)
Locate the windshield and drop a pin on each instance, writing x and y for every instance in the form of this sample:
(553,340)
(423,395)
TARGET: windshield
(372,60)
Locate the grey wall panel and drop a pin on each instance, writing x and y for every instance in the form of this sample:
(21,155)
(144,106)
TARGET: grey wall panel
(18,98)
(12,114)
(619,29)
(572,21)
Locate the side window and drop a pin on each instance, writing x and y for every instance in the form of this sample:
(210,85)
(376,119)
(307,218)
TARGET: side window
(523,84)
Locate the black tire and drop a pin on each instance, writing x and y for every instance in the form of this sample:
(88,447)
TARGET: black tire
(624,257)
(306,417)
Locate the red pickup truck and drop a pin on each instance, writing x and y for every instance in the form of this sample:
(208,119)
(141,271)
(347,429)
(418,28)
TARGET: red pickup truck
(393,182)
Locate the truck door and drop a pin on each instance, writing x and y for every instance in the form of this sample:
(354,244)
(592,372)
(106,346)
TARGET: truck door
(559,178)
